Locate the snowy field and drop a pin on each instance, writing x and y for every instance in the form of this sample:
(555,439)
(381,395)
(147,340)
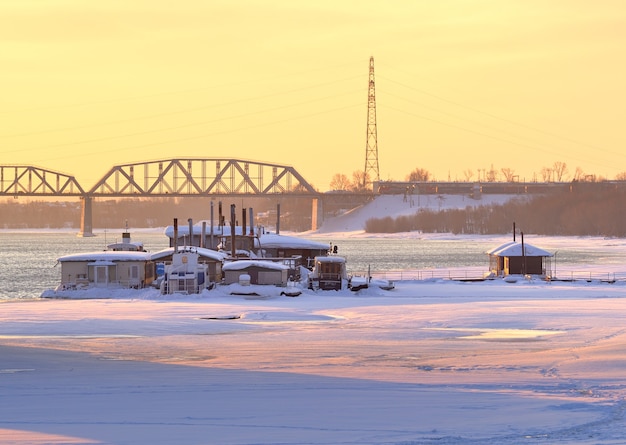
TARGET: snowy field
(399,205)
(426,363)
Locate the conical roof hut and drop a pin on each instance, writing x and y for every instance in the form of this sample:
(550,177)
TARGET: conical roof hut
(519,258)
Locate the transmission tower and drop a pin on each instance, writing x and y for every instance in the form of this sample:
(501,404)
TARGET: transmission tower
(371,149)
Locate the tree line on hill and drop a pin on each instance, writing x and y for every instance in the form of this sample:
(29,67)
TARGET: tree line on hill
(557,172)
(579,212)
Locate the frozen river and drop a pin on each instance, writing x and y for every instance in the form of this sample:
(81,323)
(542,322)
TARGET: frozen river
(29,258)
(427,363)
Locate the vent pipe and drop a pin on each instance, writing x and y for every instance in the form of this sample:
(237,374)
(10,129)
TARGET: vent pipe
(233,240)
(203,236)
(243,222)
(175,235)
(251,222)
(212,246)
(220,221)
(190,222)
(523,255)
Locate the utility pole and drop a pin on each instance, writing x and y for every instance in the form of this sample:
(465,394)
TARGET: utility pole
(371,173)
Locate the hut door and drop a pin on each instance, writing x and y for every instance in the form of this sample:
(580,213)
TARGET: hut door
(134,276)
(101,275)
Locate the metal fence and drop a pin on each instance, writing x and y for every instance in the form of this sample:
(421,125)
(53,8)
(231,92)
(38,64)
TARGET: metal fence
(477,274)
(468,274)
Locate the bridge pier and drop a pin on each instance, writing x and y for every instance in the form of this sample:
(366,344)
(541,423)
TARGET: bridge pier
(86,220)
(316,213)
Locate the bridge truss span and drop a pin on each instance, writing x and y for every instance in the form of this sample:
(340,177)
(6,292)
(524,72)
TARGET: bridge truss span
(25,180)
(200,177)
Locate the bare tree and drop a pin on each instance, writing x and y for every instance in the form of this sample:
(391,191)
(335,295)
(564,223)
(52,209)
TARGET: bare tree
(468,175)
(492,174)
(509,174)
(546,174)
(358,179)
(579,174)
(559,170)
(418,174)
(340,182)
(620,176)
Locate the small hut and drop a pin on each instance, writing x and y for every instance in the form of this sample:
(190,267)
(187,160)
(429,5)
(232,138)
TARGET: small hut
(329,273)
(211,258)
(258,271)
(515,258)
(106,269)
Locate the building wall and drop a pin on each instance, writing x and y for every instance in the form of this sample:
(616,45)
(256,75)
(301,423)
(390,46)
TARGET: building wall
(79,272)
(531,265)
(257,276)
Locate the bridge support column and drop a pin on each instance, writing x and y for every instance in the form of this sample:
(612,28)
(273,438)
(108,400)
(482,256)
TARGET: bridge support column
(86,222)
(316,213)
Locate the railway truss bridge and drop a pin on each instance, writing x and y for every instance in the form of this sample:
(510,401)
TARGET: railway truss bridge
(197,177)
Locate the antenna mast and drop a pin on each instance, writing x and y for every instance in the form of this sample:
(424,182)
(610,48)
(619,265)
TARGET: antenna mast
(371,150)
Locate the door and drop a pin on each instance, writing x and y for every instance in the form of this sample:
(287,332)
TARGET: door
(101,275)
(134,276)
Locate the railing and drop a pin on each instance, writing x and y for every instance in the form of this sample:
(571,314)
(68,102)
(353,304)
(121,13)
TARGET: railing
(469,274)
(478,274)
(589,276)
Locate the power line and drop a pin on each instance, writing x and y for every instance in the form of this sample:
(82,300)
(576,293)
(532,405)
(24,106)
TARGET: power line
(503,119)
(190,138)
(173,113)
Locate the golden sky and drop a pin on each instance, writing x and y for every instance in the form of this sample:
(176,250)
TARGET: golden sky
(461,85)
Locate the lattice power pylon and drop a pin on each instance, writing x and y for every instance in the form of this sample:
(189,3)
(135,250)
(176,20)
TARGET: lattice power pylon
(371,172)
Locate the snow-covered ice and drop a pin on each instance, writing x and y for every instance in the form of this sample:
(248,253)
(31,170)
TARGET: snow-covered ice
(442,362)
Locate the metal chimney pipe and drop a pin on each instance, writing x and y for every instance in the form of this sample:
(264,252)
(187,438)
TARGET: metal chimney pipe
(212,243)
(251,222)
(278,219)
(203,236)
(243,222)
(233,249)
(523,255)
(220,220)
(175,235)
(190,222)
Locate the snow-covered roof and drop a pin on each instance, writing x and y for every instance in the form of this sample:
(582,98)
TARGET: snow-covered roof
(245,264)
(203,252)
(106,255)
(267,240)
(275,241)
(513,249)
(126,245)
(183,230)
(101,263)
(500,247)
(330,259)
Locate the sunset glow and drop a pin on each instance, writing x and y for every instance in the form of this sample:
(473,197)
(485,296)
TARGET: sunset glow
(461,86)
